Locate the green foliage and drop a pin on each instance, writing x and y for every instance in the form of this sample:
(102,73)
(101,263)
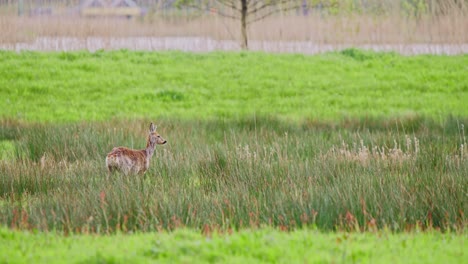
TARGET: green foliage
(7,150)
(414,8)
(261,246)
(362,55)
(66,87)
(407,8)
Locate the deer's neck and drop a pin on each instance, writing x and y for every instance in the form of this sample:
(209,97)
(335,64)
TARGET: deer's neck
(150,150)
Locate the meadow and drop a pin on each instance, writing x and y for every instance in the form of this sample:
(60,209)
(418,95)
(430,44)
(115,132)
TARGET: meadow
(259,246)
(318,146)
(74,86)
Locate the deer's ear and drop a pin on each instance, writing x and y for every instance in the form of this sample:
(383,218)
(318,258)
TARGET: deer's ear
(152,128)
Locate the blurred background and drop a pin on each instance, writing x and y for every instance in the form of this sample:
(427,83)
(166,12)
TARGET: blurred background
(405,26)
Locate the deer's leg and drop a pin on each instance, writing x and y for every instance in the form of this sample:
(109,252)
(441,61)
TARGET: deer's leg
(110,170)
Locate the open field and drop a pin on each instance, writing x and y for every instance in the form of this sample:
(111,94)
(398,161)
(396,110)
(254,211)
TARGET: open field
(321,146)
(122,84)
(338,140)
(265,246)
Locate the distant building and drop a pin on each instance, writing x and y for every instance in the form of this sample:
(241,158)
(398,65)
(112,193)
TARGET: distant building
(126,8)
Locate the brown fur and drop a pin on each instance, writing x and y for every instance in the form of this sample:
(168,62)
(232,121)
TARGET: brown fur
(130,161)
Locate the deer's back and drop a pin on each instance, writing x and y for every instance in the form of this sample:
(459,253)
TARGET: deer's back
(126,159)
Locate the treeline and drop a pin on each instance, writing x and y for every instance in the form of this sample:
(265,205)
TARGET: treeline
(377,7)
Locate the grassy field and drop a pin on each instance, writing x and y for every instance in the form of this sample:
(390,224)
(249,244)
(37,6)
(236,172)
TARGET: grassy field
(315,145)
(265,246)
(104,85)
(357,174)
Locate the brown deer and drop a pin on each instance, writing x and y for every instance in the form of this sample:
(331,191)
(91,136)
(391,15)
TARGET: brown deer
(130,161)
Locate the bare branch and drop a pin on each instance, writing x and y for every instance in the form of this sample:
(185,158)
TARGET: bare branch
(227,15)
(269,4)
(271,12)
(200,5)
(229,4)
(251,3)
(191,5)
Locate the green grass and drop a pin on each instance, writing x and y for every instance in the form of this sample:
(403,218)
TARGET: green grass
(261,246)
(238,174)
(63,87)
(316,145)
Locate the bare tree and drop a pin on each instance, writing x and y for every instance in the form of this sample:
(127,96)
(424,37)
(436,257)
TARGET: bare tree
(250,11)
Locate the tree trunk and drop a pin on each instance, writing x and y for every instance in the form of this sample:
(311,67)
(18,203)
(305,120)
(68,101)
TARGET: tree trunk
(244,43)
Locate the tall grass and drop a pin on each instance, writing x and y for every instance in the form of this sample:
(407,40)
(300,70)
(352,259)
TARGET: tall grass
(355,23)
(328,30)
(247,173)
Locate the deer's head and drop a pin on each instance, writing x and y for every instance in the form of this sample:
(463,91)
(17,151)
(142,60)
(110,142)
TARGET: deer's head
(154,138)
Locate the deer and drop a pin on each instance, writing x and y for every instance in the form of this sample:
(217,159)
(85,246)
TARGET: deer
(131,161)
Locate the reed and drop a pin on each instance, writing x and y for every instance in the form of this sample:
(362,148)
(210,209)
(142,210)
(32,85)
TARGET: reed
(446,25)
(250,173)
